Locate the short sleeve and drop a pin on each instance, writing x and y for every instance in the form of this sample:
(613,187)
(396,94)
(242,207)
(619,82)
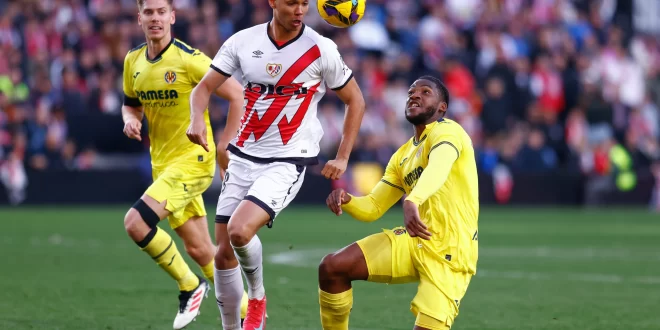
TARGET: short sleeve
(334,71)
(391,176)
(446,133)
(130,97)
(226,60)
(198,66)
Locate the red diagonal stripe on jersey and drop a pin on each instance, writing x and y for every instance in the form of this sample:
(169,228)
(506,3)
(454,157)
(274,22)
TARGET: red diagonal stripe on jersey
(288,128)
(260,126)
(300,65)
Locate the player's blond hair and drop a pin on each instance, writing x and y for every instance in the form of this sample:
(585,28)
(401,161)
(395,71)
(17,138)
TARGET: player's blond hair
(140,3)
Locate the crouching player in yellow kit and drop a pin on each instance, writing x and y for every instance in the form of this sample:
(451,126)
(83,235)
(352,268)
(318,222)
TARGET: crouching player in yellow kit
(438,246)
(159,76)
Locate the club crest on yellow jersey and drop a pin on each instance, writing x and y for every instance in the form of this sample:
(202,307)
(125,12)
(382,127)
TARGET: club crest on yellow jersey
(399,231)
(170,77)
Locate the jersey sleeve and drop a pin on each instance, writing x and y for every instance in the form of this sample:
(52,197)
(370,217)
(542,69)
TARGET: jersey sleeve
(130,97)
(391,176)
(446,147)
(198,65)
(435,174)
(226,60)
(335,72)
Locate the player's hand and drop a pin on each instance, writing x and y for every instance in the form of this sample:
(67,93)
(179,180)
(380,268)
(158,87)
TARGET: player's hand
(336,199)
(414,224)
(197,133)
(132,129)
(333,169)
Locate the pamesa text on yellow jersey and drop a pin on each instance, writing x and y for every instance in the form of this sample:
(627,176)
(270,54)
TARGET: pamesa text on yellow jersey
(162,86)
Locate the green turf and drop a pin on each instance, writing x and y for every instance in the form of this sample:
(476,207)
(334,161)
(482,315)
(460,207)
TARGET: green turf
(74,268)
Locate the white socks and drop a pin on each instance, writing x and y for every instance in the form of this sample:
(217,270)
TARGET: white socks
(229,292)
(250,260)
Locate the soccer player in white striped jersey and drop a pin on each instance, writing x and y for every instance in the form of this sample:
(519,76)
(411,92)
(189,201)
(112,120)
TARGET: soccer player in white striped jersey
(285,68)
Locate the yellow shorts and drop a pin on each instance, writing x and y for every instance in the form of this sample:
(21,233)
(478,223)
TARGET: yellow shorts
(182,186)
(394,258)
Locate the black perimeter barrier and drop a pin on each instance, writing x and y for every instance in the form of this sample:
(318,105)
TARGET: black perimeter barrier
(126,186)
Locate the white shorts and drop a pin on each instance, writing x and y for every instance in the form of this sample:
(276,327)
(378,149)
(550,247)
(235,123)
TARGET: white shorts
(272,186)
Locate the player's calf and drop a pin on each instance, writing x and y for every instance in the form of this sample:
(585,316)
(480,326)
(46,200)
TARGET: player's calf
(336,272)
(141,223)
(228,280)
(198,244)
(250,215)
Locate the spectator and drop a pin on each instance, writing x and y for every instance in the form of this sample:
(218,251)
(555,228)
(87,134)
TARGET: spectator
(561,67)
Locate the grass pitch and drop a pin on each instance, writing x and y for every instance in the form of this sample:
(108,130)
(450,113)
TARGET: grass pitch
(75,268)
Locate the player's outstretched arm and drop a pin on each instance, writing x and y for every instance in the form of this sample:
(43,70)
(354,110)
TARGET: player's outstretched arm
(352,96)
(132,117)
(441,159)
(231,91)
(365,208)
(199,102)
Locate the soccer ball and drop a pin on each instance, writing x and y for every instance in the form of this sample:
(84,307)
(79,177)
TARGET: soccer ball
(341,13)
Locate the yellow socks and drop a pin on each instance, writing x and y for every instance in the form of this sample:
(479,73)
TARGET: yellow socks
(208,272)
(335,309)
(244,303)
(163,250)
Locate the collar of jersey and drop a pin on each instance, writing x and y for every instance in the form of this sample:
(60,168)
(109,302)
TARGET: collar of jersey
(302,29)
(160,55)
(423,135)
(426,129)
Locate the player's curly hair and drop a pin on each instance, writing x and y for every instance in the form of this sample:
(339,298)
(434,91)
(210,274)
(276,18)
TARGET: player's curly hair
(440,87)
(140,3)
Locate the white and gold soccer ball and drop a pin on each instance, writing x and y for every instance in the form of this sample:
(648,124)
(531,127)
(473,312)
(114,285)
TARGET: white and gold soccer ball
(341,13)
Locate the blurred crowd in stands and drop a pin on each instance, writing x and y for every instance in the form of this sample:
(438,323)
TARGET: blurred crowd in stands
(540,85)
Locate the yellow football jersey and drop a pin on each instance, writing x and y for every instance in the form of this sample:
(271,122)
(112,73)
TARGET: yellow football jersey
(451,214)
(162,86)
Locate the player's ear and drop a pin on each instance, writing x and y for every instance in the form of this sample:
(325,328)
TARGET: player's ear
(272,3)
(442,106)
(172,17)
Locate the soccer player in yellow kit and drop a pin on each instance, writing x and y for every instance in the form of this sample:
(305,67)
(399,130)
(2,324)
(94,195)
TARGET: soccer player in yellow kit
(438,248)
(159,76)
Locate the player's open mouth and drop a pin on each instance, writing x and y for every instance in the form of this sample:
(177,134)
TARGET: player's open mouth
(155,28)
(413,105)
(297,22)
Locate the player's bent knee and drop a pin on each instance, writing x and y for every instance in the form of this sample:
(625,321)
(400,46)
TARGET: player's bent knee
(240,234)
(224,256)
(331,266)
(140,221)
(198,252)
(134,225)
